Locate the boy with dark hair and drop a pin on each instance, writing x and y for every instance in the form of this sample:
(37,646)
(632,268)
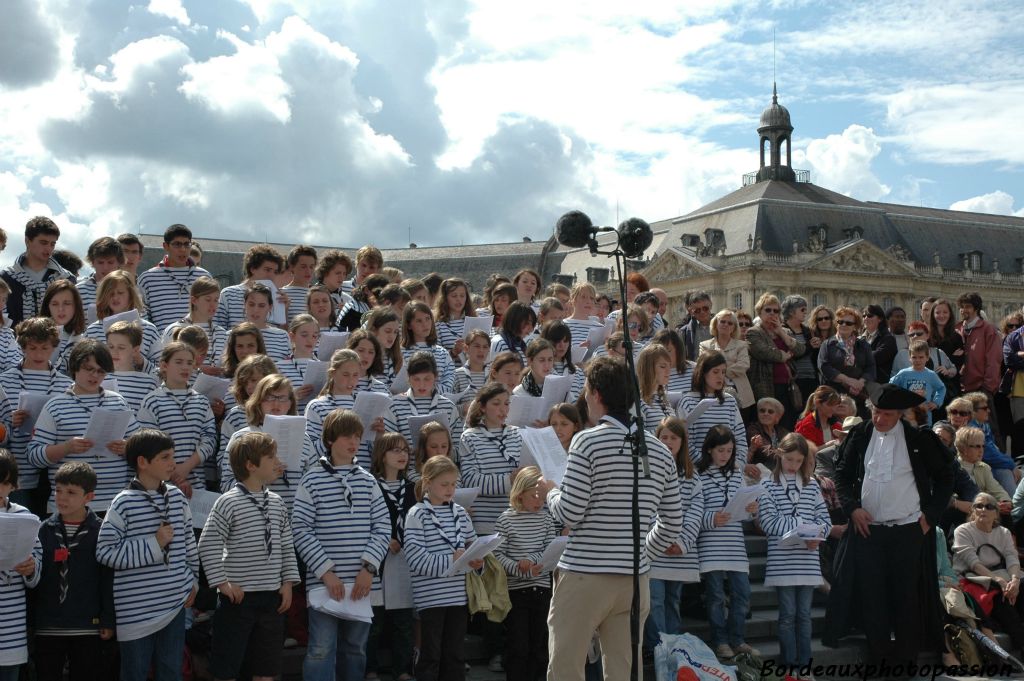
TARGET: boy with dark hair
(302,266)
(34,269)
(166,286)
(132,248)
(261,262)
(247,552)
(104,255)
(13,582)
(69,260)
(147,538)
(136,376)
(74,600)
(369,260)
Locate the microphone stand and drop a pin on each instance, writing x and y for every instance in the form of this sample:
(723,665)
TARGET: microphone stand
(638,446)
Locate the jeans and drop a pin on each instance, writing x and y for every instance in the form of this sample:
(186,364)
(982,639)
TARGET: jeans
(664,617)
(1004,476)
(337,648)
(734,632)
(164,649)
(795,624)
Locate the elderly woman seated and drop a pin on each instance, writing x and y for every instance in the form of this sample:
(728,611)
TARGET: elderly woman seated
(764,434)
(985,555)
(970,444)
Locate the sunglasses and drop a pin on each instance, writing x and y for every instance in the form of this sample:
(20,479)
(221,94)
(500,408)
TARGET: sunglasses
(729,322)
(985,507)
(770,310)
(765,411)
(957,412)
(915,334)
(745,325)
(1012,326)
(823,319)
(982,407)
(846,322)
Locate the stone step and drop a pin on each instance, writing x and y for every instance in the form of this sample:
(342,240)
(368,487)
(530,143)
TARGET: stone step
(762,624)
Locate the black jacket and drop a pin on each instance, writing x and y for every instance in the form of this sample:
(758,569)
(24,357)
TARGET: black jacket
(884,349)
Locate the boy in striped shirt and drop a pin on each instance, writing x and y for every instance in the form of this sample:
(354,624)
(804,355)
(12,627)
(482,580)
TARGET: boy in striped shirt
(147,538)
(342,532)
(302,265)
(166,286)
(261,262)
(246,549)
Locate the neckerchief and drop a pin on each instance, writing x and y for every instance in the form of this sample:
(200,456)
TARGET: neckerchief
(340,477)
(165,513)
(63,555)
(529,384)
(264,509)
(458,543)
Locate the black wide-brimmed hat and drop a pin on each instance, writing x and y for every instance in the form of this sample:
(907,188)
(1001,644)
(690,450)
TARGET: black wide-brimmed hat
(891,396)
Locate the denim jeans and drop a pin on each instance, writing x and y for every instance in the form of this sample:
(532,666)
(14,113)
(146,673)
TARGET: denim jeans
(164,649)
(337,648)
(664,617)
(734,632)
(795,624)
(1004,476)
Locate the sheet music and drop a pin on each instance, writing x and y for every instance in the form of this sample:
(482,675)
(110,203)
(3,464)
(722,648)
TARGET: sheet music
(397,582)
(673,397)
(465,496)
(736,508)
(289,432)
(330,342)
(556,390)
(316,374)
(214,387)
(699,410)
(131,315)
(18,533)
(477,550)
(346,608)
(278,312)
(803,532)
(106,425)
(201,504)
(457,397)
(33,403)
(544,450)
(401,381)
(524,409)
(482,323)
(417,422)
(554,550)
(369,406)
(579,353)
(597,336)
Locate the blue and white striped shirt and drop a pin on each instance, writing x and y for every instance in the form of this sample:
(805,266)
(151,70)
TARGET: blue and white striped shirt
(231,306)
(778,514)
(684,568)
(487,459)
(720,548)
(151,345)
(405,405)
(445,366)
(317,411)
(526,536)
(13,593)
(579,329)
(450,332)
(216,336)
(285,485)
(186,417)
(133,386)
(725,413)
(296,300)
(432,535)
(14,382)
(166,292)
(279,345)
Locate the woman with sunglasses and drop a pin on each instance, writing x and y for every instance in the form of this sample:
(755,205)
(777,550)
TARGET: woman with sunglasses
(823,327)
(985,555)
(725,338)
(771,348)
(765,433)
(970,445)
(743,322)
(1003,467)
(846,361)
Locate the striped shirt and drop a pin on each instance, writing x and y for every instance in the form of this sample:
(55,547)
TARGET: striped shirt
(231,306)
(655,411)
(286,484)
(432,535)
(10,351)
(778,514)
(339,520)
(474,380)
(296,300)
(487,459)
(684,568)
(498,346)
(65,344)
(216,336)
(720,548)
(15,381)
(725,413)
(13,594)
(580,329)
(186,417)
(66,416)
(166,292)
(450,332)
(295,371)
(596,501)
(579,379)
(150,584)
(151,344)
(247,540)
(87,290)
(133,386)
(349,307)
(445,366)
(681,382)
(317,411)
(279,345)
(526,536)
(405,405)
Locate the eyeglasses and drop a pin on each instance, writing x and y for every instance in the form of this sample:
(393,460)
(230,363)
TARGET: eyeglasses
(745,325)
(728,322)
(765,411)
(1012,326)
(702,308)
(180,244)
(915,334)
(770,310)
(846,322)
(977,446)
(823,319)
(981,407)
(634,325)
(957,412)
(95,371)
(985,507)
(277,398)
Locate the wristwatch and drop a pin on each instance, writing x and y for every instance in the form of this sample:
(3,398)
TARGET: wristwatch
(370,567)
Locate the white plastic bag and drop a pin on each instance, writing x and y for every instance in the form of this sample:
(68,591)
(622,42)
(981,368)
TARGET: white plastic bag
(684,657)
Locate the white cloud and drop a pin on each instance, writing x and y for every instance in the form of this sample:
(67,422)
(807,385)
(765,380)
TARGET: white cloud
(843,163)
(997,203)
(171,9)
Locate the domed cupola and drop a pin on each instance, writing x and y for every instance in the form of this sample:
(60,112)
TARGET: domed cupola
(774,131)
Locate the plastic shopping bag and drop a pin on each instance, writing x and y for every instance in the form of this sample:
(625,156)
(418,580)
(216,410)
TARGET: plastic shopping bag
(684,657)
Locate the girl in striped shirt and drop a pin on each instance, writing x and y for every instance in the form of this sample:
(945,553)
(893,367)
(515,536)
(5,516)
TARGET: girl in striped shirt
(681,376)
(453,306)
(473,374)
(560,337)
(116,294)
(203,298)
(320,305)
(384,325)
(252,369)
(303,334)
(437,532)
(584,303)
(720,546)
(434,440)
(489,454)
(507,369)
(423,399)
(420,334)
(565,419)
(792,497)
(709,384)
(258,303)
(243,340)
(652,368)
(540,357)
(63,304)
(371,366)
(517,323)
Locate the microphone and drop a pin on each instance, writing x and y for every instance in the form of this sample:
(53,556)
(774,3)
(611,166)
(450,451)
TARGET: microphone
(635,236)
(575,230)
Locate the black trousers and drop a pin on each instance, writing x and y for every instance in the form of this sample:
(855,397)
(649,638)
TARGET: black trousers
(88,658)
(526,636)
(889,568)
(442,631)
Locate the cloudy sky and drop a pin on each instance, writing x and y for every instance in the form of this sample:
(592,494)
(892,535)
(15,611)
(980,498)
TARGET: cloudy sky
(466,121)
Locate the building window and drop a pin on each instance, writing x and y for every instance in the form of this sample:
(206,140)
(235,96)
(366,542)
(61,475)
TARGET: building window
(597,275)
(564,279)
(888,303)
(818,299)
(737,301)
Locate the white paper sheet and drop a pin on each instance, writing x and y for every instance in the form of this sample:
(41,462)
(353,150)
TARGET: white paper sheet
(802,533)
(106,425)
(417,422)
(33,403)
(524,410)
(673,397)
(278,312)
(18,533)
(369,406)
(201,504)
(316,374)
(554,550)
(597,336)
(465,496)
(131,315)
(458,397)
(736,508)
(477,550)
(699,410)
(482,323)
(556,389)
(289,432)
(397,582)
(401,381)
(544,450)
(346,608)
(214,387)
(579,353)
(331,341)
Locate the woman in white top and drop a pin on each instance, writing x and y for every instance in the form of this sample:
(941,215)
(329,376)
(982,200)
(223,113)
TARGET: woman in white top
(725,337)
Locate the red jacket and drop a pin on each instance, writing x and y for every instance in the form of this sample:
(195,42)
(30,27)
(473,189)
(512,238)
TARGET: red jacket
(983,357)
